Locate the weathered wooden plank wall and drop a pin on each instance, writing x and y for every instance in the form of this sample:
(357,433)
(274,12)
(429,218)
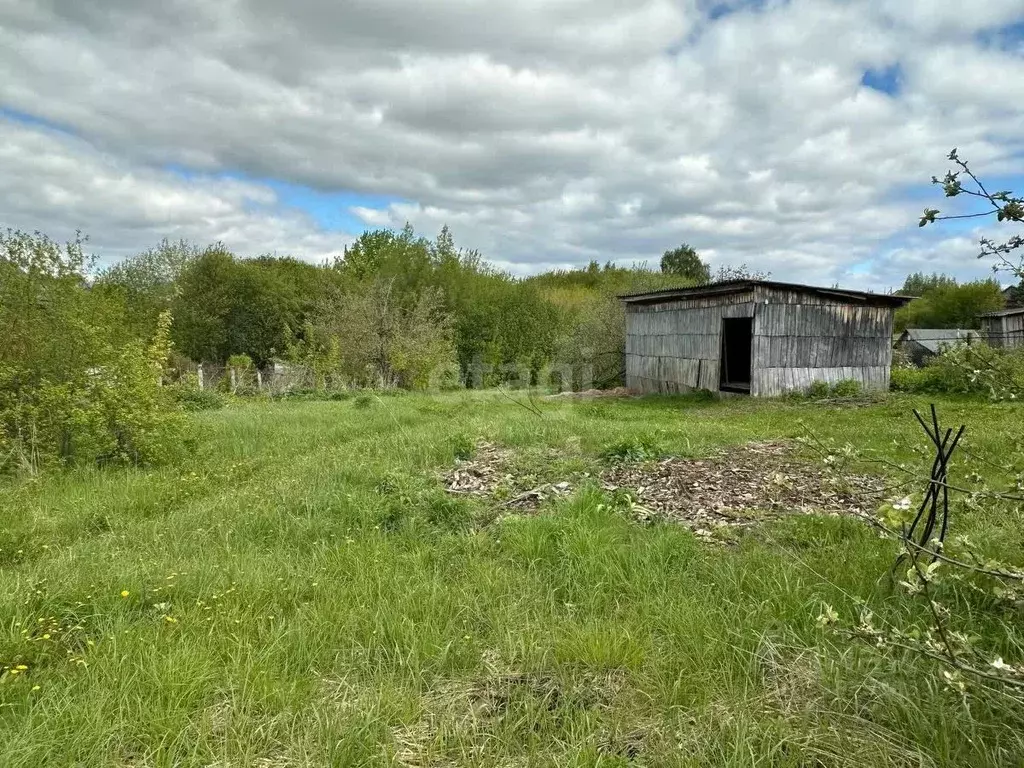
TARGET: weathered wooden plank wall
(799,338)
(802,338)
(1005,331)
(675,346)
(1013,331)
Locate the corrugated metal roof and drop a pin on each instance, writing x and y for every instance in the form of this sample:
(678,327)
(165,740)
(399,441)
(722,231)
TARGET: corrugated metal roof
(739,286)
(1003,312)
(933,339)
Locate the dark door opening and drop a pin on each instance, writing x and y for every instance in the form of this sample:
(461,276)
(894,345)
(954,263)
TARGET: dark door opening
(737,348)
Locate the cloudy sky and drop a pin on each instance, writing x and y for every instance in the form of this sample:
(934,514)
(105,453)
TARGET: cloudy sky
(797,136)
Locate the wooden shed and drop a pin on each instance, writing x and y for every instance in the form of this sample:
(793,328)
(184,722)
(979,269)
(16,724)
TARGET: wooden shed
(922,344)
(1004,328)
(757,337)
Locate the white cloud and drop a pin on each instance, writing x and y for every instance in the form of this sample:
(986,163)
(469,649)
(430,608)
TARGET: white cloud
(59,185)
(542,132)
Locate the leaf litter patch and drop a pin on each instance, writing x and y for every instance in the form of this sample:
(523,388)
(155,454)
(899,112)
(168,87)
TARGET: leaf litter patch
(741,486)
(499,474)
(734,488)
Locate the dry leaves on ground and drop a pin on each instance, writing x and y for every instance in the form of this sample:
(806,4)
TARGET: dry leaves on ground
(735,488)
(492,473)
(740,486)
(592,394)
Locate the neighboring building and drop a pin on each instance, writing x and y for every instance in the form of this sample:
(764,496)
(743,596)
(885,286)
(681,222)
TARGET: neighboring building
(1004,328)
(922,344)
(757,337)
(1010,294)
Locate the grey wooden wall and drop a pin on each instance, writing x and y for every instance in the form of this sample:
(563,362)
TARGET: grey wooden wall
(675,346)
(1005,331)
(799,338)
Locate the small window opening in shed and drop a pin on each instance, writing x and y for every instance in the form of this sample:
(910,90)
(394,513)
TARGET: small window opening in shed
(737,345)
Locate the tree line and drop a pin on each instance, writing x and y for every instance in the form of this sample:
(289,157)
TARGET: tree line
(392,310)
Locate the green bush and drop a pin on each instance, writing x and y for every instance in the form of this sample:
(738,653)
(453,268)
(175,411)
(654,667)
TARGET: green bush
(963,369)
(190,397)
(846,388)
(75,386)
(910,380)
(818,390)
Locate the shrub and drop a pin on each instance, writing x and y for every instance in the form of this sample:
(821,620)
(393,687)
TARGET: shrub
(363,401)
(818,390)
(190,397)
(846,388)
(963,369)
(910,380)
(75,385)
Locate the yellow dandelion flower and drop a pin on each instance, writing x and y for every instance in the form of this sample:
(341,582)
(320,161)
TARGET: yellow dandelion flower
(21,667)
(35,687)
(125,593)
(170,620)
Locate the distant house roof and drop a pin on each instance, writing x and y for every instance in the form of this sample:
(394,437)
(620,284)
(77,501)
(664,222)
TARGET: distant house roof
(933,339)
(1003,312)
(740,286)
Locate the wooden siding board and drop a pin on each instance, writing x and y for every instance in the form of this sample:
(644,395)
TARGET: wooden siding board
(797,339)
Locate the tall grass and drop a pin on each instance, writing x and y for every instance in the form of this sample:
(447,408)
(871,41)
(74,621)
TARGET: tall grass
(302,593)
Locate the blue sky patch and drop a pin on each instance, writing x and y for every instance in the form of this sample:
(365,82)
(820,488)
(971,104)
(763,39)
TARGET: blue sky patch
(330,210)
(33,121)
(1009,38)
(886,79)
(718,9)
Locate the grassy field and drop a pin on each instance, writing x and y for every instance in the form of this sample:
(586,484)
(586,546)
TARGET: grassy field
(304,593)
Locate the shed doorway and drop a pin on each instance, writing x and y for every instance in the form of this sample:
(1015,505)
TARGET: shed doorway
(737,349)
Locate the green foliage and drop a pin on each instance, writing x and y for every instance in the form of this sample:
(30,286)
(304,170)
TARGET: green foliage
(818,389)
(395,310)
(1016,297)
(1004,206)
(308,395)
(75,388)
(846,388)
(963,369)
(637,448)
(945,304)
(148,282)
(919,283)
(190,397)
(226,306)
(684,261)
(376,338)
(240,362)
(821,390)
(589,350)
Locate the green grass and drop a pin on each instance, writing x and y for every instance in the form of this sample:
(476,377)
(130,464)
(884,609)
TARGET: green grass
(303,593)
